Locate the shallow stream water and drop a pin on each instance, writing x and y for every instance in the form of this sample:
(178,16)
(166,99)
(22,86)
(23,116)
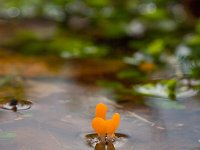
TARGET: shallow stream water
(64,97)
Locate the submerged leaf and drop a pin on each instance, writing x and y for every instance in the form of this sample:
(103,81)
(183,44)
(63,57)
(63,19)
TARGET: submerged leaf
(7,135)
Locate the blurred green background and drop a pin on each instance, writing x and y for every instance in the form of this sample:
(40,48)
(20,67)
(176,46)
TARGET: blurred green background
(101,28)
(153,43)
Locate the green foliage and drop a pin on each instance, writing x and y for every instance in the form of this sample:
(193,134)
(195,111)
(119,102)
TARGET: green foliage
(171,86)
(163,88)
(110,84)
(29,43)
(112,29)
(74,47)
(131,74)
(98,3)
(156,47)
(152,27)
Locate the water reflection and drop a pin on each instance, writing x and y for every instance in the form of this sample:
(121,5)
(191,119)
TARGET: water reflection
(110,146)
(119,141)
(15,104)
(102,146)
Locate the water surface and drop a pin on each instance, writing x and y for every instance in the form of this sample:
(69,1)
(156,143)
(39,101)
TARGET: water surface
(64,95)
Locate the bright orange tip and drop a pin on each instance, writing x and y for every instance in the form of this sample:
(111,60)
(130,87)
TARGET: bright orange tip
(101,110)
(99,125)
(116,120)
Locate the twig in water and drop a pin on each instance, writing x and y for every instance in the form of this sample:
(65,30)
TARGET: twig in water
(145,120)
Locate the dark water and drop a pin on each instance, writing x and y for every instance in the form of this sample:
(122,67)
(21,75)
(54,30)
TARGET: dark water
(64,100)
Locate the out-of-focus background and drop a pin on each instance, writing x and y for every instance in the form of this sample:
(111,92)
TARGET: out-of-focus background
(99,28)
(59,58)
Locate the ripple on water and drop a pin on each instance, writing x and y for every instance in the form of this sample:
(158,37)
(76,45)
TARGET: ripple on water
(16,104)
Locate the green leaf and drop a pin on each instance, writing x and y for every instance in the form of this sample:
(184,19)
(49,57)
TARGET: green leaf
(110,84)
(156,47)
(98,3)
(131,73)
